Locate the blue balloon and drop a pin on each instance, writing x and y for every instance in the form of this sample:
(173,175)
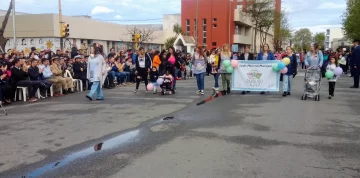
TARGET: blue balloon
(281,65)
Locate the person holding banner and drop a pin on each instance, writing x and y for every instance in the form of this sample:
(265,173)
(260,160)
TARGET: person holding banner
(291,71)
(246,56)
(224,59)
(214,61)
(199,62)
(265,54)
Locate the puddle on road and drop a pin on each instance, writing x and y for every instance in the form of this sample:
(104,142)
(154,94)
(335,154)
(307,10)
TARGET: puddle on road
(106,145)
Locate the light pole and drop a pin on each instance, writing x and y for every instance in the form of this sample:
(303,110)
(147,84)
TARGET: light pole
(230,1)
(60,25)
(14,22)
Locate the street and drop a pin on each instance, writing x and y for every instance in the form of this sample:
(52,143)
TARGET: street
(232,136)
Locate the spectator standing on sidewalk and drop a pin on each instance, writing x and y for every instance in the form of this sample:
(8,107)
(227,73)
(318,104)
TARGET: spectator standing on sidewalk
(355,63)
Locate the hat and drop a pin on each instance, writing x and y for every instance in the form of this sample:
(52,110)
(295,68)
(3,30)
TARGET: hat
(356,40)
(77,57)
(55,58)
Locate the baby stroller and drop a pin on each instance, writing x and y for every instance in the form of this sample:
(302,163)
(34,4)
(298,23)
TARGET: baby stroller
(312,83)
(167,86)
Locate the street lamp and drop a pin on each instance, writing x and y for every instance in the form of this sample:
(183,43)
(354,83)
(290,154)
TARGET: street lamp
(14,22)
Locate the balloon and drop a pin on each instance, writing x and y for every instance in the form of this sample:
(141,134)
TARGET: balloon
(338,71)
(286,61)
(275,67)
(226,63)
(172,61)
(329,74)
(281,65)
(160,81)
(150,86)
(229,69)
(234,63)
(284,70)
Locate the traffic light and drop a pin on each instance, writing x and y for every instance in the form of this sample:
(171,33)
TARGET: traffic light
(137,38)
(133,38)
(64,30)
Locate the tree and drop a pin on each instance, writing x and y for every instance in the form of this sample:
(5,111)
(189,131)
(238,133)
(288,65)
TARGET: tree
(147,35)
(302,39)
(351,19)
(262,16)
(283,33)
(3,40)
(319,38)
(177,29)
(170,42)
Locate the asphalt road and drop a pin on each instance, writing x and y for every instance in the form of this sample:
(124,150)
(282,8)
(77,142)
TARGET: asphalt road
(236,135)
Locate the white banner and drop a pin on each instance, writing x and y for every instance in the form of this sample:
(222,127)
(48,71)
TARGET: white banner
(255,76)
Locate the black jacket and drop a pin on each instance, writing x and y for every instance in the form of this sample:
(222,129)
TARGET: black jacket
(77,72)
(3,81)
(355,57)
(34,74)
(18,75)
(251,56)
(147,62)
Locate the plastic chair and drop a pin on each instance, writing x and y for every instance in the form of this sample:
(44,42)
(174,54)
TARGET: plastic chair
(76,82)
(23,94)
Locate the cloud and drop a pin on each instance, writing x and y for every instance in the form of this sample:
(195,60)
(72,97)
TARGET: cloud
(319,28)
(118,17)
(101,10)
(332,5)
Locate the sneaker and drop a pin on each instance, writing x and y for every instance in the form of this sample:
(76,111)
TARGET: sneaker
(329,97)
(198,92)
(243,92)
(284,94)
(202,92)
(332,95)
(32,99)
(288,93)
(135,91)
(262,93)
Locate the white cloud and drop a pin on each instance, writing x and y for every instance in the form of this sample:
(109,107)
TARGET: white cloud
(319,28)
(331,5)
(118,17)
(101,10)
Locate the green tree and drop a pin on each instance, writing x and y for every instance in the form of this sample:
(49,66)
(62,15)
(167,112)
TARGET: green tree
(3,40)
(302,39)
(319,38)
(261,13)
(177,29)
(170,42)
(284,33)
(351,19)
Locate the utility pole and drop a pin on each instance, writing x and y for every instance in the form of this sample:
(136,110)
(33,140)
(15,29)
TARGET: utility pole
(60,25)
(196,25)
(14,22)
(230,1)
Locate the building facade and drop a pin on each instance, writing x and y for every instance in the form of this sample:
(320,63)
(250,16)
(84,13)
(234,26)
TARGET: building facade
(220,21)
(31,31)
(331,34)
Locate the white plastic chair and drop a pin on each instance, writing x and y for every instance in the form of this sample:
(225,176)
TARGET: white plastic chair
(21,95)
(51,91)
(76,82)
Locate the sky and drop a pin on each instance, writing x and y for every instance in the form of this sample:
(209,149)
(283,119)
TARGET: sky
(317,15)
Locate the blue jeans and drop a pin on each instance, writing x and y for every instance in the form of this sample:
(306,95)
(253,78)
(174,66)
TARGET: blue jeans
(287,82)
(96,87)
(175,76)
(127,75)
(120,77)
(200,80)
(216,78)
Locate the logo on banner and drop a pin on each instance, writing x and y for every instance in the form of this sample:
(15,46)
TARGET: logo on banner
(254,78)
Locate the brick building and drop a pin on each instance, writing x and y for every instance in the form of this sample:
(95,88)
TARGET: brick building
(219,22)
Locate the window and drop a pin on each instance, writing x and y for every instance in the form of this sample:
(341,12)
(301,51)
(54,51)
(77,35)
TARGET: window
(214,19)
(214,25)
(204,31)
(204,37)
(204,24)
(196,30)
(187,27)
(213,43)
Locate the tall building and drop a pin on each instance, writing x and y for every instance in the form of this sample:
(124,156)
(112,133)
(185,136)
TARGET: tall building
(219,22)
(331,34)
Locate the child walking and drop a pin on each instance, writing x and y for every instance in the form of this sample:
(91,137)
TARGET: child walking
(332,66)
(154,75)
